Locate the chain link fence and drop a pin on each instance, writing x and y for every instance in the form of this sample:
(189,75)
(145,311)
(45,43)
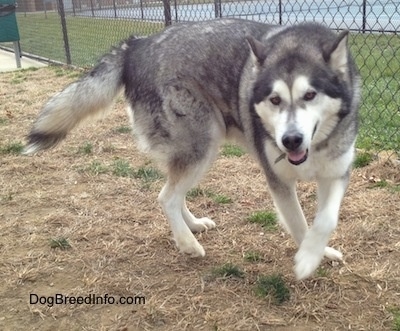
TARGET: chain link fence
(78,32)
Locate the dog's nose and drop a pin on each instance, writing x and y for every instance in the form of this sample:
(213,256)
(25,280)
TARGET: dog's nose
(292,140)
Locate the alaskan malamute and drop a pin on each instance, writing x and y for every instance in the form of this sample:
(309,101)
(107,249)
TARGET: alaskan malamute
(289,94)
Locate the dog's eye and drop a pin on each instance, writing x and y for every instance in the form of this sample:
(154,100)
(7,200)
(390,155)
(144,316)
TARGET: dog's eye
(309,96)
(275,100)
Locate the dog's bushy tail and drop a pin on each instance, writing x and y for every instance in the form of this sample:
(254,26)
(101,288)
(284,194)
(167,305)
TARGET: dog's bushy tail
(89,96)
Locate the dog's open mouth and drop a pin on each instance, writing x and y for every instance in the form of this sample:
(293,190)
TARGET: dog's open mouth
(297,158)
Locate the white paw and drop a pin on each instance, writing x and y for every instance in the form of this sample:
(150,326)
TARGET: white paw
(333,254)
(190,246)
(307,261)
(201,224)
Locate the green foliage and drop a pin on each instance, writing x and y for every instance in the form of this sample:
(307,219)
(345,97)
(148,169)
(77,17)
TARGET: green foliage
(395,311)
(97,168)
(378,59)
(394,188)
(322,272)
(123,129)
(3,121)
(268,220)
(83,34)
(86,148)
(122,168)
(252,256)
(199,192)
(221,199)
(273,285)
(147,174)
(227,270)
(362,159)
(12,148)
(61,243)
(230,150)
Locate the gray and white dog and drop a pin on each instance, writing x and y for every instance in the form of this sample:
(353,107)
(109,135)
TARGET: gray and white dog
(289,94)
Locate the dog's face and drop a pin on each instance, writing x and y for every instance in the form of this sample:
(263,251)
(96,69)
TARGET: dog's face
(298,115)
(299,99)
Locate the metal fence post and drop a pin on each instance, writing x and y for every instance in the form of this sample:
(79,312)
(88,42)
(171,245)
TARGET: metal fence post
(218,8)
(176,10)
(167,12)
(61,12)
(92,7)
(115,9)
(280,12)
(364,15)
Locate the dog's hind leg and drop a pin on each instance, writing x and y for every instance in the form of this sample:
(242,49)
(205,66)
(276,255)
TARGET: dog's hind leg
(172,199)
(196,224)
(193,131)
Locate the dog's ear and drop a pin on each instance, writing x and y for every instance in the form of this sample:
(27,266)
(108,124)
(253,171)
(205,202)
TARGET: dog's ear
(258,51)
(337,54)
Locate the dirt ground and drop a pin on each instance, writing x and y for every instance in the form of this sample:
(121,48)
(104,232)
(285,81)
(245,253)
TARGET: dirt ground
(120,243)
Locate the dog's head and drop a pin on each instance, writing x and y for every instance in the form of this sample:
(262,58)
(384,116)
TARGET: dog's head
(301,86)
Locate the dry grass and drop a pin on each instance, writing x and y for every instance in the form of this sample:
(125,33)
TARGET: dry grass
(120,243)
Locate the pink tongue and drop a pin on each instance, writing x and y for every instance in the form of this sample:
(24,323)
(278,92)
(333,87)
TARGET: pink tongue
(296,156)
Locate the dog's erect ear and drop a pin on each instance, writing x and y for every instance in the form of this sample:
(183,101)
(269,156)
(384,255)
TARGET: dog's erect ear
(337,53)
(258,51)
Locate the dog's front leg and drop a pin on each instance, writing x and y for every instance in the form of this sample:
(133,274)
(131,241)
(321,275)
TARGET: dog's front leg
(290,213)
(314,245)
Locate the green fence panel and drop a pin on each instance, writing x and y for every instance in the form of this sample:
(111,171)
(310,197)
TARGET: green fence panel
(8,22)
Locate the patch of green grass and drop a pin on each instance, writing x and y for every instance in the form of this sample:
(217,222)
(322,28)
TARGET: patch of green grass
(6,198)
(396,322)
(395,188)
(83,33)
(227,270)
(273,285)
(12,148)
(60,71)
(380,184)
(252,256)
(123,129)
(196,192)
(109,148)
(3,121)
(377,57)
(221,199)
(217,198)
(395,311)
(230,150)
(28,69)
(267,219)
(60,242)
(86,148)
(362,159)
(147,174)
(97,168)
(122,168)
(385,184)
(18,78)
(322,272)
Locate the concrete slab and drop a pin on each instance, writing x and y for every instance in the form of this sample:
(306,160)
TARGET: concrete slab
(9,63)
